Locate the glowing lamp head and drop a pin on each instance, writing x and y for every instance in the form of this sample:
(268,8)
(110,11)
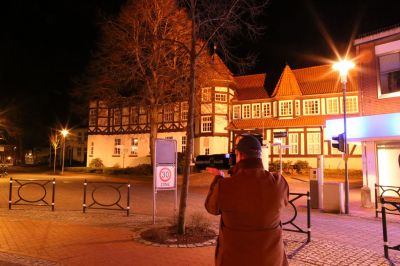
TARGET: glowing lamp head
(343,66)
(64,132)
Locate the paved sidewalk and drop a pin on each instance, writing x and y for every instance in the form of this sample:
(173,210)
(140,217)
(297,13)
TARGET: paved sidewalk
(37,236)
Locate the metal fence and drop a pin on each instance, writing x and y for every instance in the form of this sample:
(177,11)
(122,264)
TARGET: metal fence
(388,203)
(22,198)
(382,191)
(96,191)
(294,227)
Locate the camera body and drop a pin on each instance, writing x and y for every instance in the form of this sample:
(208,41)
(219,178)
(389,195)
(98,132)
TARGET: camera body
(222,161)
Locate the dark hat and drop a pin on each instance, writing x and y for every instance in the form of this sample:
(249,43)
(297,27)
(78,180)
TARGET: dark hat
(248,144)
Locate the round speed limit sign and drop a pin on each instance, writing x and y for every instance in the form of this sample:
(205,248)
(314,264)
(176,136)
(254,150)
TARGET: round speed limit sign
(165,177)
(165,174)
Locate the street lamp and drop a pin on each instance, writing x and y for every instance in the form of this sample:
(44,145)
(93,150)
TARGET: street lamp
(343,66)
(64,132)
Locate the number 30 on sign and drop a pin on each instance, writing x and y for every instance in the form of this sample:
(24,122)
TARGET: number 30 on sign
(165,178)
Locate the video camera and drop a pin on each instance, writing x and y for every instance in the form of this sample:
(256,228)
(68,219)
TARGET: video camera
(220,161)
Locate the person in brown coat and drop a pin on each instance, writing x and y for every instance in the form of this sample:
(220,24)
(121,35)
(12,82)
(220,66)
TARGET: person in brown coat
(250,204)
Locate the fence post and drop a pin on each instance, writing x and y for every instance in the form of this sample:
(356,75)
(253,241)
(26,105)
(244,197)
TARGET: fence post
(308,217)
(10,195)
(384,228)
(128,206)
(376,201)
(84,195)
(53,196)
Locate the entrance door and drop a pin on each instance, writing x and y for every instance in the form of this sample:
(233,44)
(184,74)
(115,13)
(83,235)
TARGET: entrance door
(389,163)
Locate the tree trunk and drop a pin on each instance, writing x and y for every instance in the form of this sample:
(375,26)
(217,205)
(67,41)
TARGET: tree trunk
(55,158)
(189,131)
(153,131)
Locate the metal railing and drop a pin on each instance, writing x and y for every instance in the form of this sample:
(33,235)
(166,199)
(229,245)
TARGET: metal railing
(385,203)
(22,197)
(291,221)
(380,192)
(96,203)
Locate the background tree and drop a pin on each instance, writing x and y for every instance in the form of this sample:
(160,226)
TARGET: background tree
(55,140)
(212,22)
(140,59)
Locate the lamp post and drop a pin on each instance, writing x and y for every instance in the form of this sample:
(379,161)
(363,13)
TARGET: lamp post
(343,66)
(64,132)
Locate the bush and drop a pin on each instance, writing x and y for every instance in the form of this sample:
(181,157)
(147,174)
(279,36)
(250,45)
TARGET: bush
(299,166)
(141,169)
(287,167)
(96,163)
(274,166)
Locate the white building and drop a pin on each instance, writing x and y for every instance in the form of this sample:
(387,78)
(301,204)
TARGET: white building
(298,102)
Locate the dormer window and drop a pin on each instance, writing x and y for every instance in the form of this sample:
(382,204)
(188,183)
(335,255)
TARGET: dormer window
(311,107)
(285,108)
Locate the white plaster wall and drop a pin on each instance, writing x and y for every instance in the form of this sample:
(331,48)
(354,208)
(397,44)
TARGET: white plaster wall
(221,122)
(104,148)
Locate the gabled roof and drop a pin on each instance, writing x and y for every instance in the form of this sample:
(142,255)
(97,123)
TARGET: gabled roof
(211,68)
(251,87)
(323,79)
(287,84)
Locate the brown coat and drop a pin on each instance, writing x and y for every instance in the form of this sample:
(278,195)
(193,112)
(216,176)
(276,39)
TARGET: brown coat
(249,203)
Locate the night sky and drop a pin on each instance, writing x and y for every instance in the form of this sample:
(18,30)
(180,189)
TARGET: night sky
(46,44)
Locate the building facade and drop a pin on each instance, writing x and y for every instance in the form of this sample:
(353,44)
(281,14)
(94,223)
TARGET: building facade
(378,128)
(299,102)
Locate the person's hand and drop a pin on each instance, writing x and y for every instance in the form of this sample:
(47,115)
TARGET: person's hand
(215,171)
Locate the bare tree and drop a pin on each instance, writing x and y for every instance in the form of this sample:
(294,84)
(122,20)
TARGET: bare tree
(55,139)
(140,59)
(212,22)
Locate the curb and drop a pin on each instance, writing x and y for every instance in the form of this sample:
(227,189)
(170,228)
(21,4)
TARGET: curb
(139,239)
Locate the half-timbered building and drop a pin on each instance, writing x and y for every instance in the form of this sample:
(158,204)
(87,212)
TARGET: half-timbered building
(298,102)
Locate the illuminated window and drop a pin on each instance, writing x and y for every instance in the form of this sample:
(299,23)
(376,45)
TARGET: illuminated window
(285,108)
(184,111)
(311,107)
(256,112)
(117,146)
(134,146)
(332,106)
(206,94)
(117,117)
(183,143)
(293,143)
(92,117)
(168,113)
(314,143)
(206,124)
(236,112)
(389,74)
(220,97)
(246,111)
(266,109)
(351,104)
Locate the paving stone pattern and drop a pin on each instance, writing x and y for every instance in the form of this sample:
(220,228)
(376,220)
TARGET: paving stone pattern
(38,236)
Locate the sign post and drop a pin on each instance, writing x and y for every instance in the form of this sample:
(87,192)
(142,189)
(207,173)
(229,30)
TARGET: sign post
(165,170)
